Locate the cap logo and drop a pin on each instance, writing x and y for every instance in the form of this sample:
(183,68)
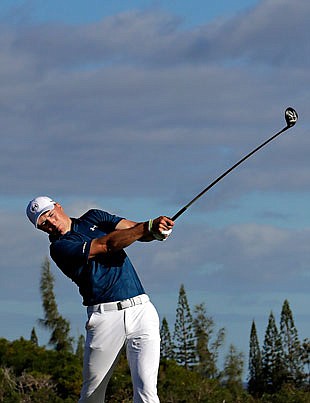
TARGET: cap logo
(34,207)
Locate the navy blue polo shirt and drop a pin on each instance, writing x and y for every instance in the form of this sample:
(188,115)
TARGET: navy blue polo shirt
(104,278)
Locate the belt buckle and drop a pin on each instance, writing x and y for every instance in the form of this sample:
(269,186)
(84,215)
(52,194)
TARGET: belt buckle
(126,303)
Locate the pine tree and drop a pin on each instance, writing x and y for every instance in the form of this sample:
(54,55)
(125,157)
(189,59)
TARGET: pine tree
(255,380)
(59,327)
(272,358)
(233,368)
(33,337)
(60,336)
(306,360)
(79,352)
(183,337)
(166,346)
(207,352)
(291,346)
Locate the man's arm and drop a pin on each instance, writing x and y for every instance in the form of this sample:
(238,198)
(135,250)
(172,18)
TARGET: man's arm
(127,232)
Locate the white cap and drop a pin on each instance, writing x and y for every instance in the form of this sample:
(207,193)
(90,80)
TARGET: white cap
(37,207)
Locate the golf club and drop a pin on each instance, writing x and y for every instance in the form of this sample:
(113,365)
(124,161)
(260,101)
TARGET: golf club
(291,117)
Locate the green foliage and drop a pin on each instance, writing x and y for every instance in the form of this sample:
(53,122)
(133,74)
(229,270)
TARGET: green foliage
(29,373)
(33,337)
(53,321)
(28,387)
(44,371)
(233,368)
(166,346)
(80,348)
(176,384)
(255,380)
(291,345)
(287,394)
(207,347)
(272,358)
(184,341)
(47,294)
(305,356)
(284,358)
(8,389)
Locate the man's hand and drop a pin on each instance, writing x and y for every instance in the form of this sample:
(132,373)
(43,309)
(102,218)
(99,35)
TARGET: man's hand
(161,227)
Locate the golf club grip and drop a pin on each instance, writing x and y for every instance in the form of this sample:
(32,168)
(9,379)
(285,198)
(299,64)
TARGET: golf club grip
(183,209)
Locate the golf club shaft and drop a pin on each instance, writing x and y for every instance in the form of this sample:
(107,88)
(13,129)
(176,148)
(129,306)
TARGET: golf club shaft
(183,209)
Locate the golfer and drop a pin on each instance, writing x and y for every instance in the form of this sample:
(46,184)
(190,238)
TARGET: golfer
(90,251)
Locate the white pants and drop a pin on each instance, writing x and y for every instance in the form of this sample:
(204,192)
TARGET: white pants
(107,331)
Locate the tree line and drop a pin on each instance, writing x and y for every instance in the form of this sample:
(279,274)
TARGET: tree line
(189,368)
(195,343)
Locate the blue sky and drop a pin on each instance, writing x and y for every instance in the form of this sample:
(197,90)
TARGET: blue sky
(135,107)
(81,12)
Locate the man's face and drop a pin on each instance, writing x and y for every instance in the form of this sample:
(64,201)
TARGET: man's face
(54,222)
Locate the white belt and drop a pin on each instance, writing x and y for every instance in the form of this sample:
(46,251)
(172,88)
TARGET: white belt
(118,305)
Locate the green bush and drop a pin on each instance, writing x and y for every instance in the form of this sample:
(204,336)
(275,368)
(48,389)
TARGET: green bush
(29,373)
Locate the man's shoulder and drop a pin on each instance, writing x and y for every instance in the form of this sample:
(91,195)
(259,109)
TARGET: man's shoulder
(96,216)
(91,214)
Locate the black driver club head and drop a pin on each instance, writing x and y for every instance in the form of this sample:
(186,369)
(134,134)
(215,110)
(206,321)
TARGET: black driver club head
(291,116)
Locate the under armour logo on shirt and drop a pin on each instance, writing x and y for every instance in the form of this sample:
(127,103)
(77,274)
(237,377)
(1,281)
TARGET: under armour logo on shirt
(93,227)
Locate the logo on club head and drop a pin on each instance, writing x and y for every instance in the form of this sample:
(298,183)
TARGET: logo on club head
(291,116)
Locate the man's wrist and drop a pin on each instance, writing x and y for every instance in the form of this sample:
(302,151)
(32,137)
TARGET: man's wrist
(150,226)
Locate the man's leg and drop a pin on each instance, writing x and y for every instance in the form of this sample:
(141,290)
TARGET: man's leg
(143,351)
(104,342)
